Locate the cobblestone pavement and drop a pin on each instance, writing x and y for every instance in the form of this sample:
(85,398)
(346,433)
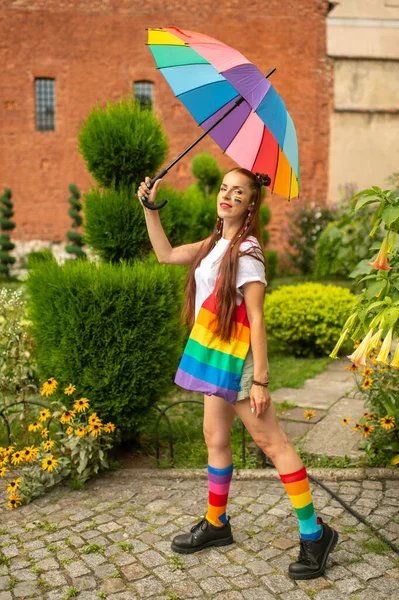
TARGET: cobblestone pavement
(112,540)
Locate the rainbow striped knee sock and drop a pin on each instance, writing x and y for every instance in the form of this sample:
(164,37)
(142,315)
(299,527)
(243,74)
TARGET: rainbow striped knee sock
(218,490)
(297,487)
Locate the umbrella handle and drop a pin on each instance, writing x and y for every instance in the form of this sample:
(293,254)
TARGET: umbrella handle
(150,205)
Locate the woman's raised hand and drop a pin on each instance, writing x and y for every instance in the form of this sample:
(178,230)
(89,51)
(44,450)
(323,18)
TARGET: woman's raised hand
(144,192)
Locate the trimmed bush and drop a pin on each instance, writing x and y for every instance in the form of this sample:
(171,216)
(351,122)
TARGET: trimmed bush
(112,331)
(115,225)
(122,143)
(206,169)
(307,318)
(271,257)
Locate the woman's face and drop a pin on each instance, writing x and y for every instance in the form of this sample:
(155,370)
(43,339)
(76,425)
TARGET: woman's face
(234,197)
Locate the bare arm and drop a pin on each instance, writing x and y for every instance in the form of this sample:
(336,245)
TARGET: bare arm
(254,293)
(181,255)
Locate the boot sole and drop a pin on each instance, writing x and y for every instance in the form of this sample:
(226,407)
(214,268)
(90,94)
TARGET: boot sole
(222,542)
(320,572)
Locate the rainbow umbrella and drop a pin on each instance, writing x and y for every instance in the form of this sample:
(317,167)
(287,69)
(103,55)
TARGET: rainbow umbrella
(233,101)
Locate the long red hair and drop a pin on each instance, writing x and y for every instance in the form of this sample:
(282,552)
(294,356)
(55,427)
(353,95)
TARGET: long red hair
(228,268)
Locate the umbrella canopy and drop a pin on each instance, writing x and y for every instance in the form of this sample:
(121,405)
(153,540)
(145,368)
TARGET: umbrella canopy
(209,77)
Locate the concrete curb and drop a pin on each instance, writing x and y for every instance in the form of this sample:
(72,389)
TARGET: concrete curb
(255,474)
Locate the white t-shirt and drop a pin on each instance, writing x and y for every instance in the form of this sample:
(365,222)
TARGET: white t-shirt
(249,269)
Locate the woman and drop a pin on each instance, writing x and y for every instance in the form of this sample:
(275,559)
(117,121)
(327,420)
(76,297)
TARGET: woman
(231,262)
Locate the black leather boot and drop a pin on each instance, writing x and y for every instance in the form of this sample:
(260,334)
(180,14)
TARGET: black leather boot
(313,554)
(201,536)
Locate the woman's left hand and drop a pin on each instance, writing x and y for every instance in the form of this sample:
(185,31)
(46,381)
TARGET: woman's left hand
(260,399)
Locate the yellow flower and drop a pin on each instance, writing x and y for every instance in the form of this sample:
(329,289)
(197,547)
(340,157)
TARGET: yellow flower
(67,416)
(3,471)
(359,356)
(70,389)
(14,501)
(49,464)
(352,368)
(357,426)
(345,421)
(373,416)
(44,414)
(93,419)
(309,414)
(48,445)
(367,429)
(367,383)
(44,433)
(385,348)
(49,387)
(13,485)
(35,426)
(81,431)
(387,422)
(69,430)
(395,360)
(17,457)
(109,427)
(365,415)
(81,405)
(356,344)
(334,353)
(28,454)
(367,371)
(95,429)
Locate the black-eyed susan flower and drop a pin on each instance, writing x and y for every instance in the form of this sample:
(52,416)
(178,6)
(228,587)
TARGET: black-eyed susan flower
(95,429)
(308,414)
(3,471)
(109,427)
(17,458)
(352,368)
(365,415)
(373,416)
(28,454)
(35,426)
(81,431)
(44,414)
(48,445)
(357,427)
(49,463)
(69,430)
(14,501)
(13,485)
(367,371)
(81,405)
(44,433)
(49,387)
(367,429)
(67,416)
(69,390)
(367,383)
(356,344)
(387,422)
(345,421)
(93,419)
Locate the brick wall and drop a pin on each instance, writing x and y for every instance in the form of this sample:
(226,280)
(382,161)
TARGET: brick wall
(96,49)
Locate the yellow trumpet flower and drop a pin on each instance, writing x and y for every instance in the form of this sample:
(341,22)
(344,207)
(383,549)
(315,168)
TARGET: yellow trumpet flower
(359,356)
(385,348)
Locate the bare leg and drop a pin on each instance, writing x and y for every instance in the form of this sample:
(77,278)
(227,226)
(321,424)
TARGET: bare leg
(218,419)
(266,432)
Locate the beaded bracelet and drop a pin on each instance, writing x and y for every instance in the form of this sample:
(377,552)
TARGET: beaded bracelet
(265,384)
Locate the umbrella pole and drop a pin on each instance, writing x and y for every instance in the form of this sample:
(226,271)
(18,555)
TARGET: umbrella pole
(201,137)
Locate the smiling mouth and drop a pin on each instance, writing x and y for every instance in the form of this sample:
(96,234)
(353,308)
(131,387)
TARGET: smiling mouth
(224,205)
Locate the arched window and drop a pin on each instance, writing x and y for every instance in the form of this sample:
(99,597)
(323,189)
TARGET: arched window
(144,93)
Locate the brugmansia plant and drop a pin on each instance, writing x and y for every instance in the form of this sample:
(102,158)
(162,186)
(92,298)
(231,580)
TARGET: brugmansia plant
(6,225)
(374,322)
(76,238)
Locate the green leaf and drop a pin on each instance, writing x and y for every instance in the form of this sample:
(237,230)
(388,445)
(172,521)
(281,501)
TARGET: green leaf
(368,199)
(362,268)
(375,288)
(390,214)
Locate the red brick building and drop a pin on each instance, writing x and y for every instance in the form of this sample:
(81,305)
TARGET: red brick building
(95,50)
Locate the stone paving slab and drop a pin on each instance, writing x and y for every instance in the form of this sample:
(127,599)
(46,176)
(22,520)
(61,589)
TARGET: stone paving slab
(323,390)
(330,437)
(112,540)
